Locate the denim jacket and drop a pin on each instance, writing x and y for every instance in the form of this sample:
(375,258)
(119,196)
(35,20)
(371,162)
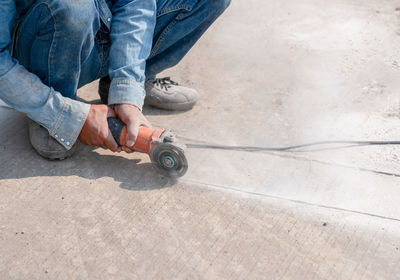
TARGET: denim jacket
(131,35)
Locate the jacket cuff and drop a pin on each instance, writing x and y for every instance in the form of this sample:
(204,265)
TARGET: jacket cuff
(69,122)
(125,91)
(61,116)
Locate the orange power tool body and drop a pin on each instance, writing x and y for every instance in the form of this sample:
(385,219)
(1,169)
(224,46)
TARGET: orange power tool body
(166,153)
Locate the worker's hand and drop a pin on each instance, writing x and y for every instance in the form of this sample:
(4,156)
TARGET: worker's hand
(95,131)
(133,118)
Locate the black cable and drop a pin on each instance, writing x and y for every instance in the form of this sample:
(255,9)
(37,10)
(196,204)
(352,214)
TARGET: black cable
(290,148)
(295,148)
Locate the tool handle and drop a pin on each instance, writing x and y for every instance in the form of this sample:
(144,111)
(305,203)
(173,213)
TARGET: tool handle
(116,126)
(144,138)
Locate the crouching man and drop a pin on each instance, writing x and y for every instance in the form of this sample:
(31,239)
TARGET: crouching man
(50,48)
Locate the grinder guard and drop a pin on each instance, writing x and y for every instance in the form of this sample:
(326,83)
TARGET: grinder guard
(169,160)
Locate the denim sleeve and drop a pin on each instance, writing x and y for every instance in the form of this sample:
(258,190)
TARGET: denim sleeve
(132,28)
(24,91)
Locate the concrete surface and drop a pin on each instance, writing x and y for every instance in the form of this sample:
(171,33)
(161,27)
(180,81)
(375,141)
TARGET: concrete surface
(271,73)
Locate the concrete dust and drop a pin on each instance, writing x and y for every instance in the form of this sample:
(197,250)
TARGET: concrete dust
(270,73)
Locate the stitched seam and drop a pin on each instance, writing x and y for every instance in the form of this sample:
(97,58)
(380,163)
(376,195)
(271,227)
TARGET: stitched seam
(161,38)
(50,60)
(126,82)
(51,56)
(173,9)
(102,62)
(50,68)
(53,41)
(15,37)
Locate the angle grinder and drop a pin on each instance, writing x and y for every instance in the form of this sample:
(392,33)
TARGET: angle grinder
(166,153)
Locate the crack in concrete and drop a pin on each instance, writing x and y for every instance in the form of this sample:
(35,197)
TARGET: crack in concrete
(217,186)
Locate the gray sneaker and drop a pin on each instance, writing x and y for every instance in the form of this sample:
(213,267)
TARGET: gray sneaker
(161,93)
(45,145)
(166,94)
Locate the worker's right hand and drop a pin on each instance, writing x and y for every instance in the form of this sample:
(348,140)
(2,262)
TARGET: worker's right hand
(95,131)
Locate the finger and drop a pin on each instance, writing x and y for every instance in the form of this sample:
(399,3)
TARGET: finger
(110,142)
(131,136)
(127,150)
(111,112)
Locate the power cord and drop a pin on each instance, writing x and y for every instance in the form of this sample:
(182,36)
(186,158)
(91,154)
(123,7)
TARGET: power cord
(295,148)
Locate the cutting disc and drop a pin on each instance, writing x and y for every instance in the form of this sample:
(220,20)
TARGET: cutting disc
(169,160)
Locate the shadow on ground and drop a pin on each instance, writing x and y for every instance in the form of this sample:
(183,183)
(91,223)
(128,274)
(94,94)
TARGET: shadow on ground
(18,160)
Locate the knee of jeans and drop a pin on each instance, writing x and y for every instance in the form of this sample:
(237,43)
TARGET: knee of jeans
(78,18)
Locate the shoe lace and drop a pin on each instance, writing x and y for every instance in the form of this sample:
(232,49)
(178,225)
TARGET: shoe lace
(164,83)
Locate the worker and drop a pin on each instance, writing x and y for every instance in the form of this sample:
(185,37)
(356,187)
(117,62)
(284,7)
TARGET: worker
(50,48)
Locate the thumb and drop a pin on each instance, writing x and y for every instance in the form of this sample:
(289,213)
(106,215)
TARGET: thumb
(131,136)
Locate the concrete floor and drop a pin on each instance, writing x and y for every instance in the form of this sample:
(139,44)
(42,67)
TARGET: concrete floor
(271,73)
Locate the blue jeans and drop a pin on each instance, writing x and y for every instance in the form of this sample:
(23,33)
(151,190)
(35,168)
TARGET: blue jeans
(180,23)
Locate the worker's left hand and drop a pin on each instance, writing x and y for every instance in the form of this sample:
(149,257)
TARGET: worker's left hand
(133,118)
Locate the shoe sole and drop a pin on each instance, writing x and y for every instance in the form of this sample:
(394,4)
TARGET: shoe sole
(172,107)
(54,157)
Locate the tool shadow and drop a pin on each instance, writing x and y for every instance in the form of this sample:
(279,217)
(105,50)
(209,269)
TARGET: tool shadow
(19,160)
(87,163)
